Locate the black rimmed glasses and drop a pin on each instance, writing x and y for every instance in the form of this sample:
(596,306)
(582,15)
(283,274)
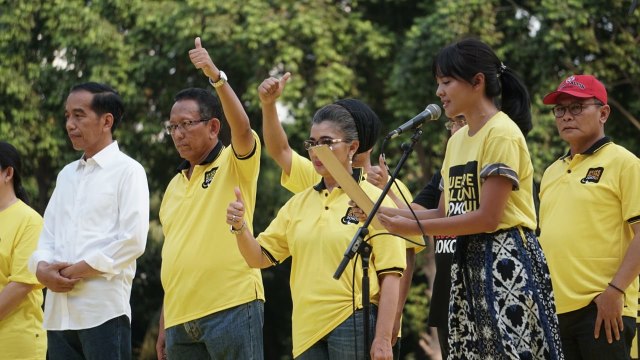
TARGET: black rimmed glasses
(574,109)
(183,126)
(309,143)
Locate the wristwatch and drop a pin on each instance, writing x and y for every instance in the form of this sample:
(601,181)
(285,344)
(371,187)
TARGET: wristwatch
(220,82)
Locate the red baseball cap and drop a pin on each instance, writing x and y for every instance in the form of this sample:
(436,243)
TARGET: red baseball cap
(580,86)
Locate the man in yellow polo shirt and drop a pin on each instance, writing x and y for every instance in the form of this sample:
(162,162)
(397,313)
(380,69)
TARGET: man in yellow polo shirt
(590,226)
(213,304)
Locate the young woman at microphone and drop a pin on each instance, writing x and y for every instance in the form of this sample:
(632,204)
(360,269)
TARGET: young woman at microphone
(501,298)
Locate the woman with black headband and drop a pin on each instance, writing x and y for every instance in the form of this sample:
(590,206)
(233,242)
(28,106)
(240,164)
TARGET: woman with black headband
(299,174)
(314,228)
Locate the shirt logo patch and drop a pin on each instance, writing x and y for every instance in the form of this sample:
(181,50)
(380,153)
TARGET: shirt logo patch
(593,175)
(349,218)
(208,177)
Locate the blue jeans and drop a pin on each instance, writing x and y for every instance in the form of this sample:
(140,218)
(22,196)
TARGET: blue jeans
(234,334)
(345,341)
(576,333)
(109,341)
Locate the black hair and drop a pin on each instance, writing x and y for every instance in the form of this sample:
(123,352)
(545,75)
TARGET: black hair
(208,104)
(340,116)
(468,57)
(367,122)
(105,100)
(9,157)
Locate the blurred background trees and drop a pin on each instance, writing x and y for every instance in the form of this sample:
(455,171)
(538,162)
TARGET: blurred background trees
(378,50)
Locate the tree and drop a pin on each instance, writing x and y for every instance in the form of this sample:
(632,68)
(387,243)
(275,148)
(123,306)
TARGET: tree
(379,51)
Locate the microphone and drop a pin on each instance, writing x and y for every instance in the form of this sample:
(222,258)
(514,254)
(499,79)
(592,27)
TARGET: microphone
(432,112)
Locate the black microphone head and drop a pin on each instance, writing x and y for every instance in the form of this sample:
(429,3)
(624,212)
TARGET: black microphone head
(434,110)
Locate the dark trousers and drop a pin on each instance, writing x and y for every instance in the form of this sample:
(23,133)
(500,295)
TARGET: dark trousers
(109,341)
(576,333)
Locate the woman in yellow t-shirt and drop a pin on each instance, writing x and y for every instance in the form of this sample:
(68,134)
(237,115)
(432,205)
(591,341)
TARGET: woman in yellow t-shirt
(21,332)
(501,302)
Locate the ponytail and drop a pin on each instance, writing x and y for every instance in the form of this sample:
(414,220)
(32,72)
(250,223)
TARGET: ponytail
(515,100)
(468,57)
(21,193)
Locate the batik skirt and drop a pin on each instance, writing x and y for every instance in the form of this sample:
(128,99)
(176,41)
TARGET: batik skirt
(502,303)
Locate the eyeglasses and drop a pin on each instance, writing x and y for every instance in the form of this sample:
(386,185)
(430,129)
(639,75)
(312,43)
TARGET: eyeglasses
(183,126)
(574,109)
(458,122)
(308,144)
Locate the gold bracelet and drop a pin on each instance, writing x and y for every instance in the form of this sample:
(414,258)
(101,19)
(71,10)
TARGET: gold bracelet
(239,230)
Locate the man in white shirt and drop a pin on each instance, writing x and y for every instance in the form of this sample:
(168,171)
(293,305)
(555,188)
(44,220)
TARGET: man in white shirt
(95,227)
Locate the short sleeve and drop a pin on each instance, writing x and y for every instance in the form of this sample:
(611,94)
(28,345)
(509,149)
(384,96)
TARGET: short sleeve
(24,246)
(273,239)
(502,157)
(630,191)
(389,251)
(302,176)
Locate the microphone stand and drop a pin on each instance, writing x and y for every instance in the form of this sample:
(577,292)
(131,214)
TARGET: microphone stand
(358,245)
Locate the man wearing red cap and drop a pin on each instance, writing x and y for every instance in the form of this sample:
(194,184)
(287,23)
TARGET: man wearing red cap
(590,226)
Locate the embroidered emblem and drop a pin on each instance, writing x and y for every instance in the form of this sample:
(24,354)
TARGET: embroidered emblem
(571,80)
(349,218)
(208,177)
(593,175)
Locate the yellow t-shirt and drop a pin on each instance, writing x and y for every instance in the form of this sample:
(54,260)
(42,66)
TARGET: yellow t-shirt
(587,206)
(21,332)
(315,227)
(203,271)
(498,149)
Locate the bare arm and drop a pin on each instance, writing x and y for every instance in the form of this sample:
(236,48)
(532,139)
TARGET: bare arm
(241,136)
(611,301)
(161,350)
(405,285)
(11,296)
(389,288)
(275,139)
(247,244)
(495,193)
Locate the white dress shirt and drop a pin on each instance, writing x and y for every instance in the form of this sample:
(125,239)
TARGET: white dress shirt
(99,213)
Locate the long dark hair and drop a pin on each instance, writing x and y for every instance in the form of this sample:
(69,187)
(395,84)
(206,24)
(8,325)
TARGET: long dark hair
(9,157)
(468,57)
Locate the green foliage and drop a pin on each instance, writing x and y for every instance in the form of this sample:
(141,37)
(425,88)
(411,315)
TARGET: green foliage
(379,51)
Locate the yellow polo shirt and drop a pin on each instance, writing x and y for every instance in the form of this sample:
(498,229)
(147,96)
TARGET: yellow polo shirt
(587,206)
(21,332)
(303,176)
(315,227)
(202,270)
